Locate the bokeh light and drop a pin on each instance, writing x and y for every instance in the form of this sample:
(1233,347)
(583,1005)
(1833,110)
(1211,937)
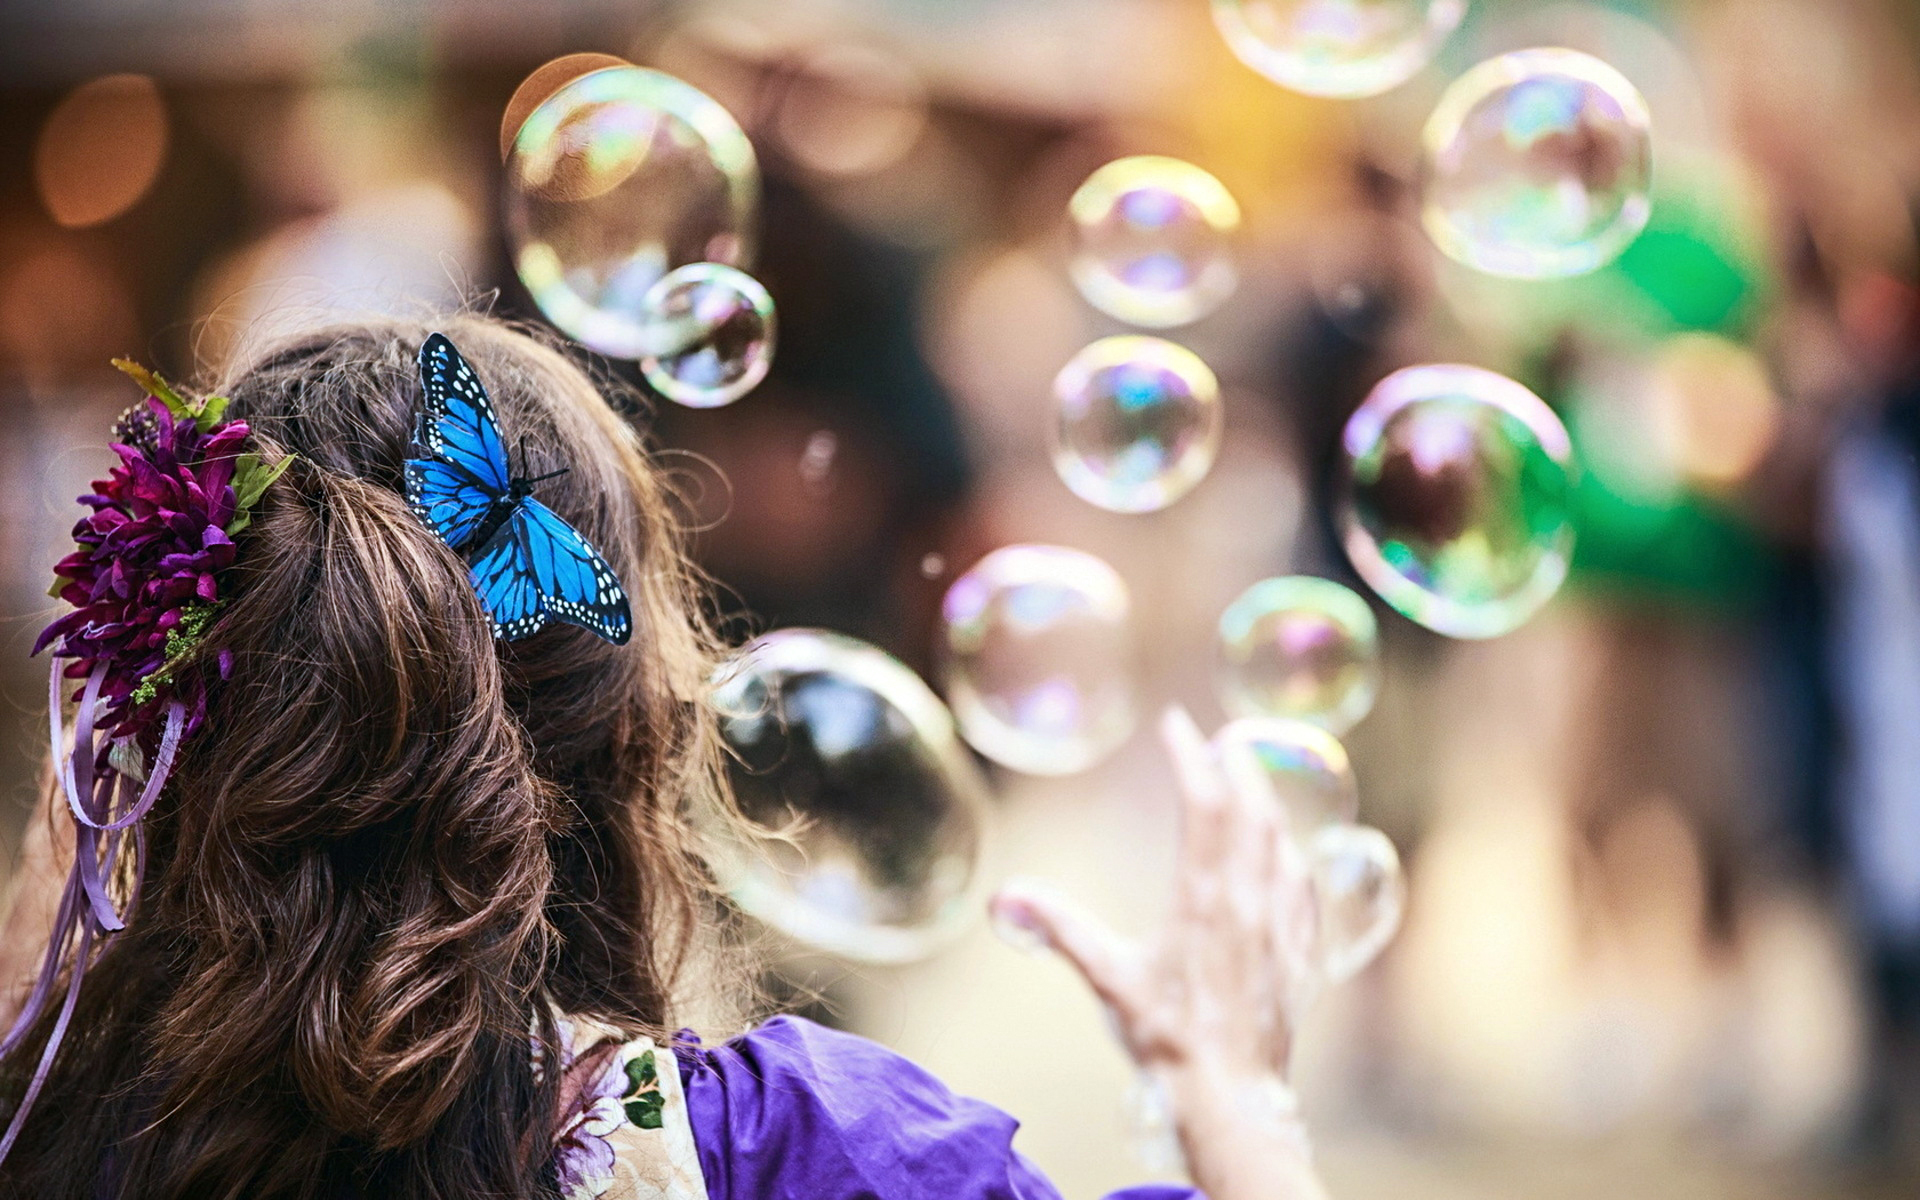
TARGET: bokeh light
(1458,505)
(1718,406)
(62,306)
(1302,648)
(879,814)
(1339,48)
(1137,423)
(549,78)
(1361,893)
(616,179)
(709,336)
(1153,241)
(101,150)
(1537,165)
(851,110)
(1038,649)
(1303,766)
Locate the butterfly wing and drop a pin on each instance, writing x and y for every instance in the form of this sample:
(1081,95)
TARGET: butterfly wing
(575,583)
(503,577)
(446,498)
(456,422)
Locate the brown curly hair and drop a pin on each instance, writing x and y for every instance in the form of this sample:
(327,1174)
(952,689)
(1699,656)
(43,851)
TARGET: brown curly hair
(398,847)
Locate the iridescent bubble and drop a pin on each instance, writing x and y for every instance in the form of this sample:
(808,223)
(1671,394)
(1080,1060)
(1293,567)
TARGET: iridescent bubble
(1305,767)
(1038,648)
(1136,423)
(617,178)
(1361,894)
(1300,647)
(1458,510)
(542,82)
(1153,241)
(880,815)
(1536,165)
(709,336)
(1342,48)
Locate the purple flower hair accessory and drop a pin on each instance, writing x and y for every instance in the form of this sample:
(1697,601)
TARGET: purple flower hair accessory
(144,582)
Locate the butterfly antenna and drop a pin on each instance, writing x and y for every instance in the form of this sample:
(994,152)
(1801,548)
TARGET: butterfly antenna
(550,475)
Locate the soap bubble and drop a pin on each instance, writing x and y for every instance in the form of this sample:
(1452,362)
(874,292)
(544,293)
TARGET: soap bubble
(1361,894)
(1537,165)
(1038,649)
(709,335)
(617,178)
(1299,647)
(1136,423)
(542,82)
(845,751)
(1342,48)
(1153,241)
(1305,767)
(1458,511)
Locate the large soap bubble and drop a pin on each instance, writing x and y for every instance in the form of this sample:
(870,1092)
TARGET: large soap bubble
(617,178)
(1537,165)
(1038,649)
(1137,423)
(1153,241)
(1458,511)
(1299,647)
(1340,48)
(885,815)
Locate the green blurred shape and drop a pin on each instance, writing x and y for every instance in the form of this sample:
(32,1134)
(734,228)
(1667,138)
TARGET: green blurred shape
(1686,264)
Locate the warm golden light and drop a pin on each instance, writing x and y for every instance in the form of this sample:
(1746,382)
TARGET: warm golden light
(852,110)
(544,82)
(101,150)
(1719,404)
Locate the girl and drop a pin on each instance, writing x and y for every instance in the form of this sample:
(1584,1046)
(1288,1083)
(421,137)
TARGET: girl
(418,899)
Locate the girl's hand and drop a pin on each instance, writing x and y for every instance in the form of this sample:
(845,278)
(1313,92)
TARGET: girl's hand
(1208,1007)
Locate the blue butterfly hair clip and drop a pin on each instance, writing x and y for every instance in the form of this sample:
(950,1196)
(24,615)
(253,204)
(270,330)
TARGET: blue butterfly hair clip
(528,565)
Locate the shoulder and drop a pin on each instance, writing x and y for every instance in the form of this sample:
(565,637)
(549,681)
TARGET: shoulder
(793,1109)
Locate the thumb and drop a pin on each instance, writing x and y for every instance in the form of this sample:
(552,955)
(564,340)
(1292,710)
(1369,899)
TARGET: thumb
(1109,963)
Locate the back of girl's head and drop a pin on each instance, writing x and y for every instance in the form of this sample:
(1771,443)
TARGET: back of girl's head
(397,845)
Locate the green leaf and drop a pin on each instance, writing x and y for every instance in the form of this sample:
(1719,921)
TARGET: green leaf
(251,479)
(59,581)
(156,387)
(646,1112)
(210,412)
(640,1074)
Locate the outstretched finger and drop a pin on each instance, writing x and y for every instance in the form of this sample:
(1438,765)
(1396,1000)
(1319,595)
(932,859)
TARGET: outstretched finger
(1105,960)
(1259,818)
(1205,812)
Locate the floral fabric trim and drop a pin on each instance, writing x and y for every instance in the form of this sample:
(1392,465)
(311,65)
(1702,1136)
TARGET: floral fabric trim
(628,1136)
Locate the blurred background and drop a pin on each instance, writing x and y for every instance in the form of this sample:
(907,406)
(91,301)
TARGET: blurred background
(1662,842)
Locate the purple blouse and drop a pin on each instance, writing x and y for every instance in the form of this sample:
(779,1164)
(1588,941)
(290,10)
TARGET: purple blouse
(795,1111)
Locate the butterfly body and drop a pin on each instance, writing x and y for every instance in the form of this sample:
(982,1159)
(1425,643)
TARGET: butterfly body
(528,565)
(498,513)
